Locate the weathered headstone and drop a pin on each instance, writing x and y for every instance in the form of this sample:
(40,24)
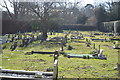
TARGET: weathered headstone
(4,39)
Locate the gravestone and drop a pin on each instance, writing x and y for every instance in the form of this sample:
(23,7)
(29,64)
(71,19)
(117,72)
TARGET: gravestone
(13,47)
(8,35)
(4,39)
(12,39)
(65,38)
(15,35)
(22,43)
(25,36)
(29,40)
(62,44)
(19,37)
(70,47)
(26,42)
(33,38)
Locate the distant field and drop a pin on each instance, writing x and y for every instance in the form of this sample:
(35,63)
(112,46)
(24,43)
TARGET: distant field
(68,67)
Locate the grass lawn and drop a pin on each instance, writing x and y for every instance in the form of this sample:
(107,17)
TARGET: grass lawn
(68,67)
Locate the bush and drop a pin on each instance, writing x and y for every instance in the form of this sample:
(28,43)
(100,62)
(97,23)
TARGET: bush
(84,57)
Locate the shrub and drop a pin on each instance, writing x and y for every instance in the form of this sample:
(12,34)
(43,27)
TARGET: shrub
(84,57)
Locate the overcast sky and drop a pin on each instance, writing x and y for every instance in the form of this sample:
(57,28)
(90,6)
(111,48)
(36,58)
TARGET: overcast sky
(83,2)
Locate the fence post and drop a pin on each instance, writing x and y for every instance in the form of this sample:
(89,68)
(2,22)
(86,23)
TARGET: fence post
(55,70)
(98,49)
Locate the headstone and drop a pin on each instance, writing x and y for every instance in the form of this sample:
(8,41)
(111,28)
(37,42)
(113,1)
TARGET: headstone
(25,36)
(15,35)
(12,39)
(62,44)
(26,42)
(8,35)
(66,38)
(70,47)
(13,47)
(22,43)
(4,39)
(12,35)
(18,37)
(33,38)
(29,40)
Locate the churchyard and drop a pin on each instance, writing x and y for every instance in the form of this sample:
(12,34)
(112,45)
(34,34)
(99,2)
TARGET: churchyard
(17,53)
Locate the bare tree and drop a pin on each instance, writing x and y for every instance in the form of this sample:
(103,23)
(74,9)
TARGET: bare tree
(19,11)
(42,10)
(6,6)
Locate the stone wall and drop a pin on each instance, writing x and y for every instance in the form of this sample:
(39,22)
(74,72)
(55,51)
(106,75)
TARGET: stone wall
(112,26)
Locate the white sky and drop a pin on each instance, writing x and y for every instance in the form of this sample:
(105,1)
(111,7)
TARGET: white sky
(83,2)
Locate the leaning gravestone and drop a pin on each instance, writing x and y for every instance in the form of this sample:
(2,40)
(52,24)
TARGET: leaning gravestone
(65,38)
(29,40)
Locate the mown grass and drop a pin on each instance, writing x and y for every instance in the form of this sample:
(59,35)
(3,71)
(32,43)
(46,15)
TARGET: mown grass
(68,67)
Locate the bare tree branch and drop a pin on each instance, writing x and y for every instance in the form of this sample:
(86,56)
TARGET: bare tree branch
(10,1)
(36,13)
(49,6)
(7,9)
(2,6)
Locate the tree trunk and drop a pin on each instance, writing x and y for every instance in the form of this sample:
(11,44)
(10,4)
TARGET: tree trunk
(44,33)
